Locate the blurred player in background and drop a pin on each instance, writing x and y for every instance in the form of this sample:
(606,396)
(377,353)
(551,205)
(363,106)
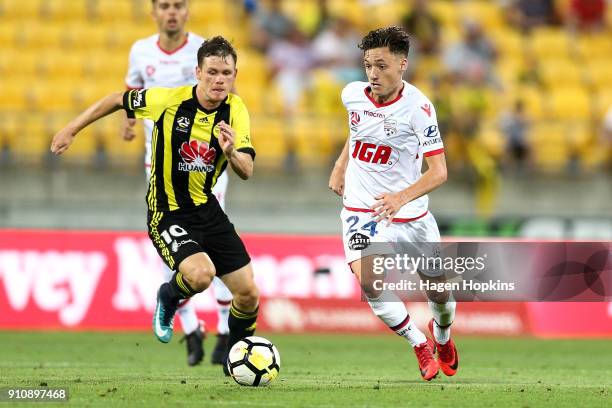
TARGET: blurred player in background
(392,127)
(168,59)
(198,131)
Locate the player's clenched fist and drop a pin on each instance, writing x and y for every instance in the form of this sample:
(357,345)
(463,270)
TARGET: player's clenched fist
(62,140)
(127,130)
(226,138)
(336,181)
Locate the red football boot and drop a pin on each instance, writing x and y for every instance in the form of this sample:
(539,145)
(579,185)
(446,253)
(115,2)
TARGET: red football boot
(448,358)
(427,363)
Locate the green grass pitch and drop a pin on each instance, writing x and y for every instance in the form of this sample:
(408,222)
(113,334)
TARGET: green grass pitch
(133,369)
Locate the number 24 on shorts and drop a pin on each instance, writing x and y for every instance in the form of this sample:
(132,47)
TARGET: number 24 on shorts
(353,220)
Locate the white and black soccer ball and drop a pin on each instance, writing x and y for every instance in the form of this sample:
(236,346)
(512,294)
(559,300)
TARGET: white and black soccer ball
(253,361)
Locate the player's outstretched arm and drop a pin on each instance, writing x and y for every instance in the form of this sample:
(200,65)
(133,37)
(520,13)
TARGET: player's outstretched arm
(242,163)
(388,204)
(64,138)
(336,179)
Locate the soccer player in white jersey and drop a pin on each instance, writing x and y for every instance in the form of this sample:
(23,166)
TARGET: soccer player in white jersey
(168,59)
(393,127)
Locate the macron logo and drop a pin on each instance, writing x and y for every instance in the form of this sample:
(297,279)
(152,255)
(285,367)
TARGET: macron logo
(427,109)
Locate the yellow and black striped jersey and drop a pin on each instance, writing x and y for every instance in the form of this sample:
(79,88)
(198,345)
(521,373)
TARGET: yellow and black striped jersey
(186,156)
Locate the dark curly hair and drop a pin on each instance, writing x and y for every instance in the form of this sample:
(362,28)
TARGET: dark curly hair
(217,46)
(393,37)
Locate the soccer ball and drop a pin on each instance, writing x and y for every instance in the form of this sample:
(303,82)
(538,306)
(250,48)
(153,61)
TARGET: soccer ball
(253,361)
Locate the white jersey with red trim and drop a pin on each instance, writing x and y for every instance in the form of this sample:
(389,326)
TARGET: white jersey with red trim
(150,65)
(387,144)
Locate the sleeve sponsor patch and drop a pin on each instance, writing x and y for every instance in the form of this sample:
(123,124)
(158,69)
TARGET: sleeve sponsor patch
(431,131)
(138,98)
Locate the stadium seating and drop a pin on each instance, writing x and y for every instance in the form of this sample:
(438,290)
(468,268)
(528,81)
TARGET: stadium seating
(58,56)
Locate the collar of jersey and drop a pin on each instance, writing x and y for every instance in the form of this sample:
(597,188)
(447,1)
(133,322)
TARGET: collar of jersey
(380,105)
(200,107)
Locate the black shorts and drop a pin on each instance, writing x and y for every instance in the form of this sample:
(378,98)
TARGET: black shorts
(206,228)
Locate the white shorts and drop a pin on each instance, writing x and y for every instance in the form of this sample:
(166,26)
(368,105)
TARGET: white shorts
(359,230)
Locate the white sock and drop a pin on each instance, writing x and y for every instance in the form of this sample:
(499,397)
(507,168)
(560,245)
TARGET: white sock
(443,314)
(396,317)
(186,310)
(189,319)
(224,301)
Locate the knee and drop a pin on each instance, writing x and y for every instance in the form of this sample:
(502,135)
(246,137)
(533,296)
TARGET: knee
(200,277)
(438,297)
(370,292)
(247,299)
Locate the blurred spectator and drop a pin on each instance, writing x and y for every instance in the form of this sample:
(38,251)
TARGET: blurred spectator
(515,126)
(474,52)
(270,23)
(290,60)
(440,91)
(424,28)
(527,14)
(587,15)
(530,72)
(335,49)
(469,104)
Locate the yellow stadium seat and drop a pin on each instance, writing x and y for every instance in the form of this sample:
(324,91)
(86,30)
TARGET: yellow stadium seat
(62,64)
(202,13)
(508,42)
(34,139)
(21,64)
(449,36)
(349,9)
(252,67)
(548,43)
(583,141)
(492,138)
(9,129)
(41,34)
(62,10)
(269,141)
(122,37)
(89,92)
(16,95)
(251,94)
(86,36)
(119,11)
(104,64)
(599,73)
(532,98)
(570,103)
(313,141)
(548,141)
(488,14)
(12,9)
(119,151)
(53,96)
(141,12)
(508,69)
(8,30)
(561,71)
(603,102)
(447,13)
(382,13)
(326,94)
(595,47)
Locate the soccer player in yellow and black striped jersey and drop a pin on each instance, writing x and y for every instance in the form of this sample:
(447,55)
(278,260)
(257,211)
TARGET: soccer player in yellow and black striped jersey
(198,131)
